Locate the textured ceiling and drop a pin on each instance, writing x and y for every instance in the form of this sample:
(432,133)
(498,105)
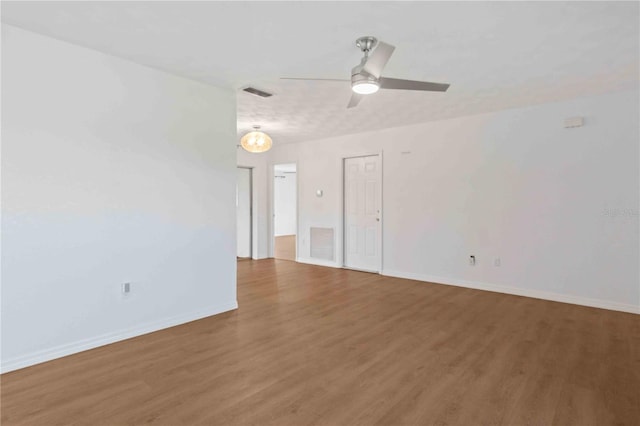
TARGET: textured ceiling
(496,55)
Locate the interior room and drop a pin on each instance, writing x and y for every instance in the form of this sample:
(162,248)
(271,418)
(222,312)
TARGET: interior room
(327,213)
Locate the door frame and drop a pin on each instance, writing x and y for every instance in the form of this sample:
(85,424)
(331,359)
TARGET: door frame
(252,244)
(344,216)
(272,205)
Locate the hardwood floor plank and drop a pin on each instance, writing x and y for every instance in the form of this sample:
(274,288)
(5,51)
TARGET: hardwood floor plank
(321,346)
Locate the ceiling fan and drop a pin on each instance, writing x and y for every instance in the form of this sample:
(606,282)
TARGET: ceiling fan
(366,77)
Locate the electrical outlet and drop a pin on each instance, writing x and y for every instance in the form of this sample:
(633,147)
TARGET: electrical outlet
(472,260)
(126,288)
(496,261)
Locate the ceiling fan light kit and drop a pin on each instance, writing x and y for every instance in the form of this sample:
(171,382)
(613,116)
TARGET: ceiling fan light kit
(256,141)
(365,87)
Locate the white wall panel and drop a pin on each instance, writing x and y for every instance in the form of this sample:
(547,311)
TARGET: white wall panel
(111,172)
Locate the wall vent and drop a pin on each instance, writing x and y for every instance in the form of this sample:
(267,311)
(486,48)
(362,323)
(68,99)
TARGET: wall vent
(573,122)
(257,92)
(322,243)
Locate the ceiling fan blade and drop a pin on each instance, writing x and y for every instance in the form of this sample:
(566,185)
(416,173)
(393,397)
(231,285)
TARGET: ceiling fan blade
(314,79)
(378,59)
(397,83)
(355,99)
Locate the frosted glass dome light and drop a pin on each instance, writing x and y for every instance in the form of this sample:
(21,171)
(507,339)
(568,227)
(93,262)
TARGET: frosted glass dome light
(256,141)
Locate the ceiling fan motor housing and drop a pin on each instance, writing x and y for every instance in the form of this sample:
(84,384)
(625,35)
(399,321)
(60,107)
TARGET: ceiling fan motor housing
(359,76)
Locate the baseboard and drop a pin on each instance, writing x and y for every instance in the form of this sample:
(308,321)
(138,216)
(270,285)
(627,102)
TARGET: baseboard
(536,294)
(318,262)
(105,339)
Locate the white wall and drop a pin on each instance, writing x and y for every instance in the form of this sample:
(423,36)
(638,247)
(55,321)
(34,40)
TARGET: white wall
(111,172)
(284,203)
(558,206)
(243,213)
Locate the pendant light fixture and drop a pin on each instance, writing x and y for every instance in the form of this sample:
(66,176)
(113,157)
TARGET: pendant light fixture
(256,141)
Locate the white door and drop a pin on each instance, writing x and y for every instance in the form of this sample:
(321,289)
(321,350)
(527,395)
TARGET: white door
(362,219)
(243,212)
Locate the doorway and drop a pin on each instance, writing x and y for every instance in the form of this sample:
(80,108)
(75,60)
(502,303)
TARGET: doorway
(285,211)
(362,213)
(244,212)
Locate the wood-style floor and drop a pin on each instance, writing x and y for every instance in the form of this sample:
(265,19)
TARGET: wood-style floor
(319,346)
(284,247)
